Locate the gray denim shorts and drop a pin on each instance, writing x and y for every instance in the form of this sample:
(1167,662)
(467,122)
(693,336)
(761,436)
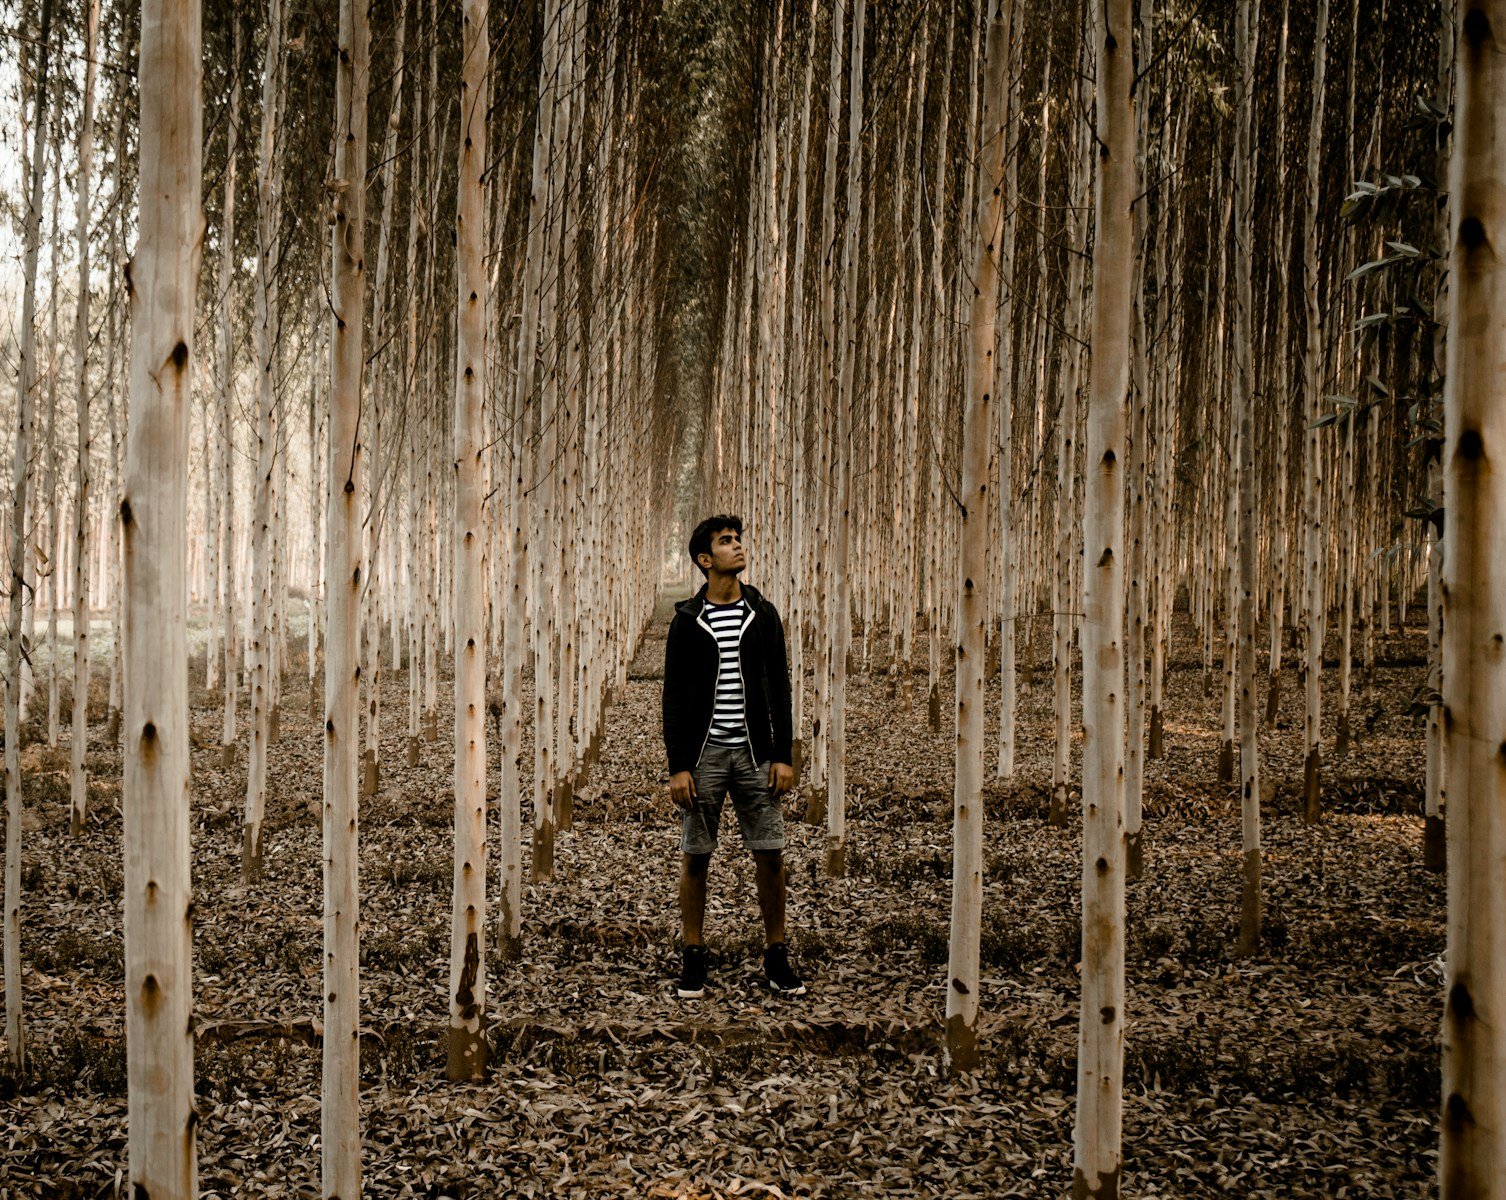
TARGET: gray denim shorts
(725,770)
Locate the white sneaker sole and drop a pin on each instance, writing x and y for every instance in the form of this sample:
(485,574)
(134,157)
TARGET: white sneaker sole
(686,994)
(779,991)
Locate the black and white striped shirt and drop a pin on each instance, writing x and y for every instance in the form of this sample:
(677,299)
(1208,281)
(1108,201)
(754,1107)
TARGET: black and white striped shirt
(729,723)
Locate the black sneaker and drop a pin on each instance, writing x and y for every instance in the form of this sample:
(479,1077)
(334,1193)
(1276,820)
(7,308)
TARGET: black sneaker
(776,969)
(692,982)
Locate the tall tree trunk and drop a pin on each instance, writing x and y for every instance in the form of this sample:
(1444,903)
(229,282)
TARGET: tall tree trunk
(1226,474)
(1247,541)
(15,651)
(467,1043)
(226,609)
(510,750)
(839,616)
(340,1098)
(1347,534)
(1434,837)
(78,777)
(117,420)
(1473,1160)
(262,651)
(1282,381)
(162,283)
(1066,491)
(316,546)
(1434,845)
(1004,374)
(972,600)
(1137,583)
(797,590)
(526,400)
(383,464)
(1040,343)
(214,449)
(52,533)
(410,375)
(1316,601)
(819,579)
(1100,1039)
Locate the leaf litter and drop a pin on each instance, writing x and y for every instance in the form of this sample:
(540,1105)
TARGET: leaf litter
(1309,1069)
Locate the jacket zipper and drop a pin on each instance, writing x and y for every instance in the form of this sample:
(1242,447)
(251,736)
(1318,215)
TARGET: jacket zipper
(747,729)
(712,636)
(743,683)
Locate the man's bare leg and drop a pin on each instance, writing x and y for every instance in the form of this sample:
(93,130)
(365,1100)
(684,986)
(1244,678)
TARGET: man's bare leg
(693,871)
(768,878)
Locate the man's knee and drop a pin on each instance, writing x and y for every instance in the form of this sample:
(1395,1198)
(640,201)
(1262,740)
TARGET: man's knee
(770,862)
(695,865)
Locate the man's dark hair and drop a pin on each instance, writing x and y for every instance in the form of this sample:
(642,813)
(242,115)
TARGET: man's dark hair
(700,540)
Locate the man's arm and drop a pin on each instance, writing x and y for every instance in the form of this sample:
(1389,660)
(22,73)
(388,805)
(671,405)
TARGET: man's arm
(778,680)
(673,703)
(681,782)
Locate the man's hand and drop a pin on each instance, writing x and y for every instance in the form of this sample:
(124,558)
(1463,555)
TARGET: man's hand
(781,777)
(682,789)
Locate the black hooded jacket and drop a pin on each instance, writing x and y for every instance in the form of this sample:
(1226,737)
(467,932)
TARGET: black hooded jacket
(690,667)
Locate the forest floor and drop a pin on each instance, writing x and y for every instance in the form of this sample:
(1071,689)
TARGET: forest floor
(1310,1069)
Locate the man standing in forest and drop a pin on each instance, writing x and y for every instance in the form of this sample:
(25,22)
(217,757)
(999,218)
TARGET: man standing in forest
(727,731)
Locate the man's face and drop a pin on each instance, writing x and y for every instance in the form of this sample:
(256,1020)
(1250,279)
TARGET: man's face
(727,553)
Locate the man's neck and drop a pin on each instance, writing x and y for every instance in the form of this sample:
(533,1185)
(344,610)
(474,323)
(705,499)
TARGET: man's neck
(723,589)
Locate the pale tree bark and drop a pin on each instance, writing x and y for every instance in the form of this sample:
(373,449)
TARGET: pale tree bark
(1282,379)
(1343,498)
(1224,484)
(199,574)
(1100,1042)
(20,474)
(1473,1160)
(48,556)
(1163,544)
(116,418)
(1316,602)
(436,136)
(1136,582)
(1066,482)
(383,461)
(410,374)
(153,515)
(839,615)
(908,420)
(1040,346)
(565,607)
(262,650)
(78,777)
(316,546)
(799,338)
(819,578)
(276,644)
(225,614)
(527,403)
(1434,838)
(340,1097)
(467,1041)
(1347,500)
(510,751)
(1247,543)
(1009,560)
(972,563)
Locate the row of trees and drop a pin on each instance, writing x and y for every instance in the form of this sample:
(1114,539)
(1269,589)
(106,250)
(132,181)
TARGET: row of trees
(846,340)
(1224,389)
(530,349)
